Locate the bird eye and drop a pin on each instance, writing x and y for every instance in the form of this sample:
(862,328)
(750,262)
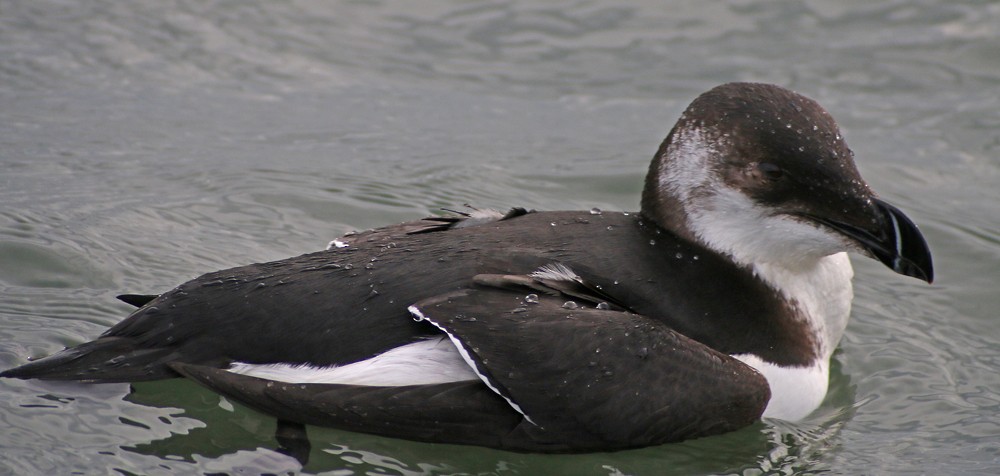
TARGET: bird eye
(770,170)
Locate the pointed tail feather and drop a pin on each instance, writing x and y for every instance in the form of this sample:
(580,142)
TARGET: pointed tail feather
(105,360)
(137,300)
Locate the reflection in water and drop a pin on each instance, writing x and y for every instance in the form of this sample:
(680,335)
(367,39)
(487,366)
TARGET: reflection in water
(235,437)
(147,142)
(805,446)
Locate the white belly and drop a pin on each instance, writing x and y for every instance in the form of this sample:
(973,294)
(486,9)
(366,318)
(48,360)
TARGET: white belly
(425,362)
(795,391)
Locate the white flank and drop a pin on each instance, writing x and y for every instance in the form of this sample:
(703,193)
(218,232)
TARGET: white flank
(556,272)
(478,217)
(795,391)
(419,316)
(336,244)
(425,362)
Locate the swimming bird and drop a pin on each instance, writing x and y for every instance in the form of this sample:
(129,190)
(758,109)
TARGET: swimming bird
(719,302)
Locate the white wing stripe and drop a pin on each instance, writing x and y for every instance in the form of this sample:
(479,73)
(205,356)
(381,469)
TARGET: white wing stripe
(419,316)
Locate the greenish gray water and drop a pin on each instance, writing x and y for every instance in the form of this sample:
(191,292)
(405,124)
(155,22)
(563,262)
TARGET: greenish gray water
(144,143)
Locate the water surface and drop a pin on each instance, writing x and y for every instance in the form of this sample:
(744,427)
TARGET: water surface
(144,143)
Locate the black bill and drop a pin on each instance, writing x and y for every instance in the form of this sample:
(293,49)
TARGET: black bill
(893,239)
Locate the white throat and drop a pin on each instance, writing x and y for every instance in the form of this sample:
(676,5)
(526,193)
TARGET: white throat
(823,293)
(803,261)
(806,263)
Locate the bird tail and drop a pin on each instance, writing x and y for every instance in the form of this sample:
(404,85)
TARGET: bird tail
(105,360)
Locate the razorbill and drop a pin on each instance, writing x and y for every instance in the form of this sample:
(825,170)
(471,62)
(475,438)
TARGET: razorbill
(720,301)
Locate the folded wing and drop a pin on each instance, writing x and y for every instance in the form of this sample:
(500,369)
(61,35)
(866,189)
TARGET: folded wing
(557,374)
(593,375)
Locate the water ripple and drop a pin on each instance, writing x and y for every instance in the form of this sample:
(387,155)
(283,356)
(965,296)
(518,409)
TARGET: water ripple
(145,143)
